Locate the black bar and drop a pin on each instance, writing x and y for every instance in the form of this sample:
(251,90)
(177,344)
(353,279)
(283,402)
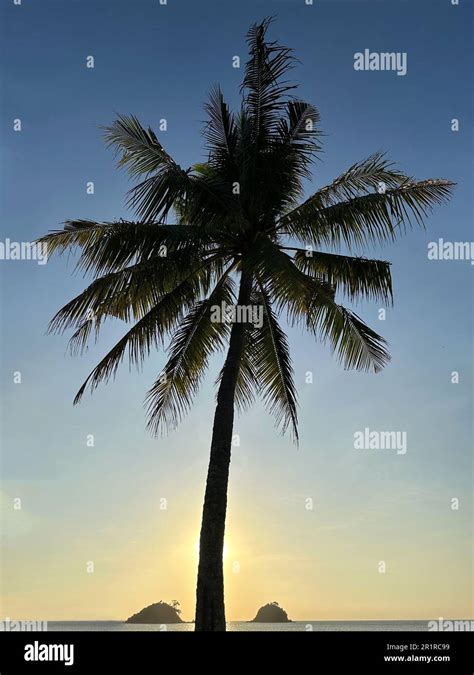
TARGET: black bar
(319,652)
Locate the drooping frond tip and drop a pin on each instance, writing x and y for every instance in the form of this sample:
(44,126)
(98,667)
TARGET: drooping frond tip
(265,90)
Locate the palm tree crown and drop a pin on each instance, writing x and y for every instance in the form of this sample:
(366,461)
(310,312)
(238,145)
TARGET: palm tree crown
(239,219)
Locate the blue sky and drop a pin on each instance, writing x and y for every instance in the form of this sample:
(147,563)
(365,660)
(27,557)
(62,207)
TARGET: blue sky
(81,503)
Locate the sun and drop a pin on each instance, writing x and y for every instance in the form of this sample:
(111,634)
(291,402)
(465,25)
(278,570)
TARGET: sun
(225,553)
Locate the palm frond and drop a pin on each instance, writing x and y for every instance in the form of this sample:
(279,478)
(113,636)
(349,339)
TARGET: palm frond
(109,247)
(132,292)
(277,183)
(193,343)
(148,332)
(356,277)
(221,135)
(265,93)
(356,345)
(299,132)
(311,302)
(270,354)
(376,172)
(288,286)
(374,218)
(165,183)
(139,149)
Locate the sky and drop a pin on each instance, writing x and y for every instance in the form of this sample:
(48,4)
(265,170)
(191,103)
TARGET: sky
(307,527)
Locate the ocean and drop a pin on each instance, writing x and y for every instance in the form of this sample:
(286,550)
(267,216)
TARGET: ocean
(321,626)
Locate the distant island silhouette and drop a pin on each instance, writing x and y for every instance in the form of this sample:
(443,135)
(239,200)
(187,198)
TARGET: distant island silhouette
(271,613)
(159,612)
(164,612)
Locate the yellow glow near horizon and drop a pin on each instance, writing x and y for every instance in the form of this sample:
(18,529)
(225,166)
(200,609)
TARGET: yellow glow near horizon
(306,573)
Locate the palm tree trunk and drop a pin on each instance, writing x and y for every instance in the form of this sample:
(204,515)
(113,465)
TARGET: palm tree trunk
(210,610)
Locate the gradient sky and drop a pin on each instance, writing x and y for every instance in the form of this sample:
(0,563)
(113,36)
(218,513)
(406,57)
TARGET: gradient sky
(102,503)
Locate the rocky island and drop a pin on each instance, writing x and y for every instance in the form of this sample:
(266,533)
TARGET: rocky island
(159,612)
(271,613)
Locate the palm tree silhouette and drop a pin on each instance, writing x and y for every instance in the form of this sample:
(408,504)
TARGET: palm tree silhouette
(240,232)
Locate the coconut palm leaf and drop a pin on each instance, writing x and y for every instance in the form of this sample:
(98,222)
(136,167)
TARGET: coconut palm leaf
(148,332)
(356,278)
(221,134)
(108,247)
(196,339)
(310,301)
(270,354)
(139,149)
(376,172)
(265,92)
(365,220)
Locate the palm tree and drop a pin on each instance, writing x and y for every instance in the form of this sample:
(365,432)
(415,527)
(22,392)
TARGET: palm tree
(241,232)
